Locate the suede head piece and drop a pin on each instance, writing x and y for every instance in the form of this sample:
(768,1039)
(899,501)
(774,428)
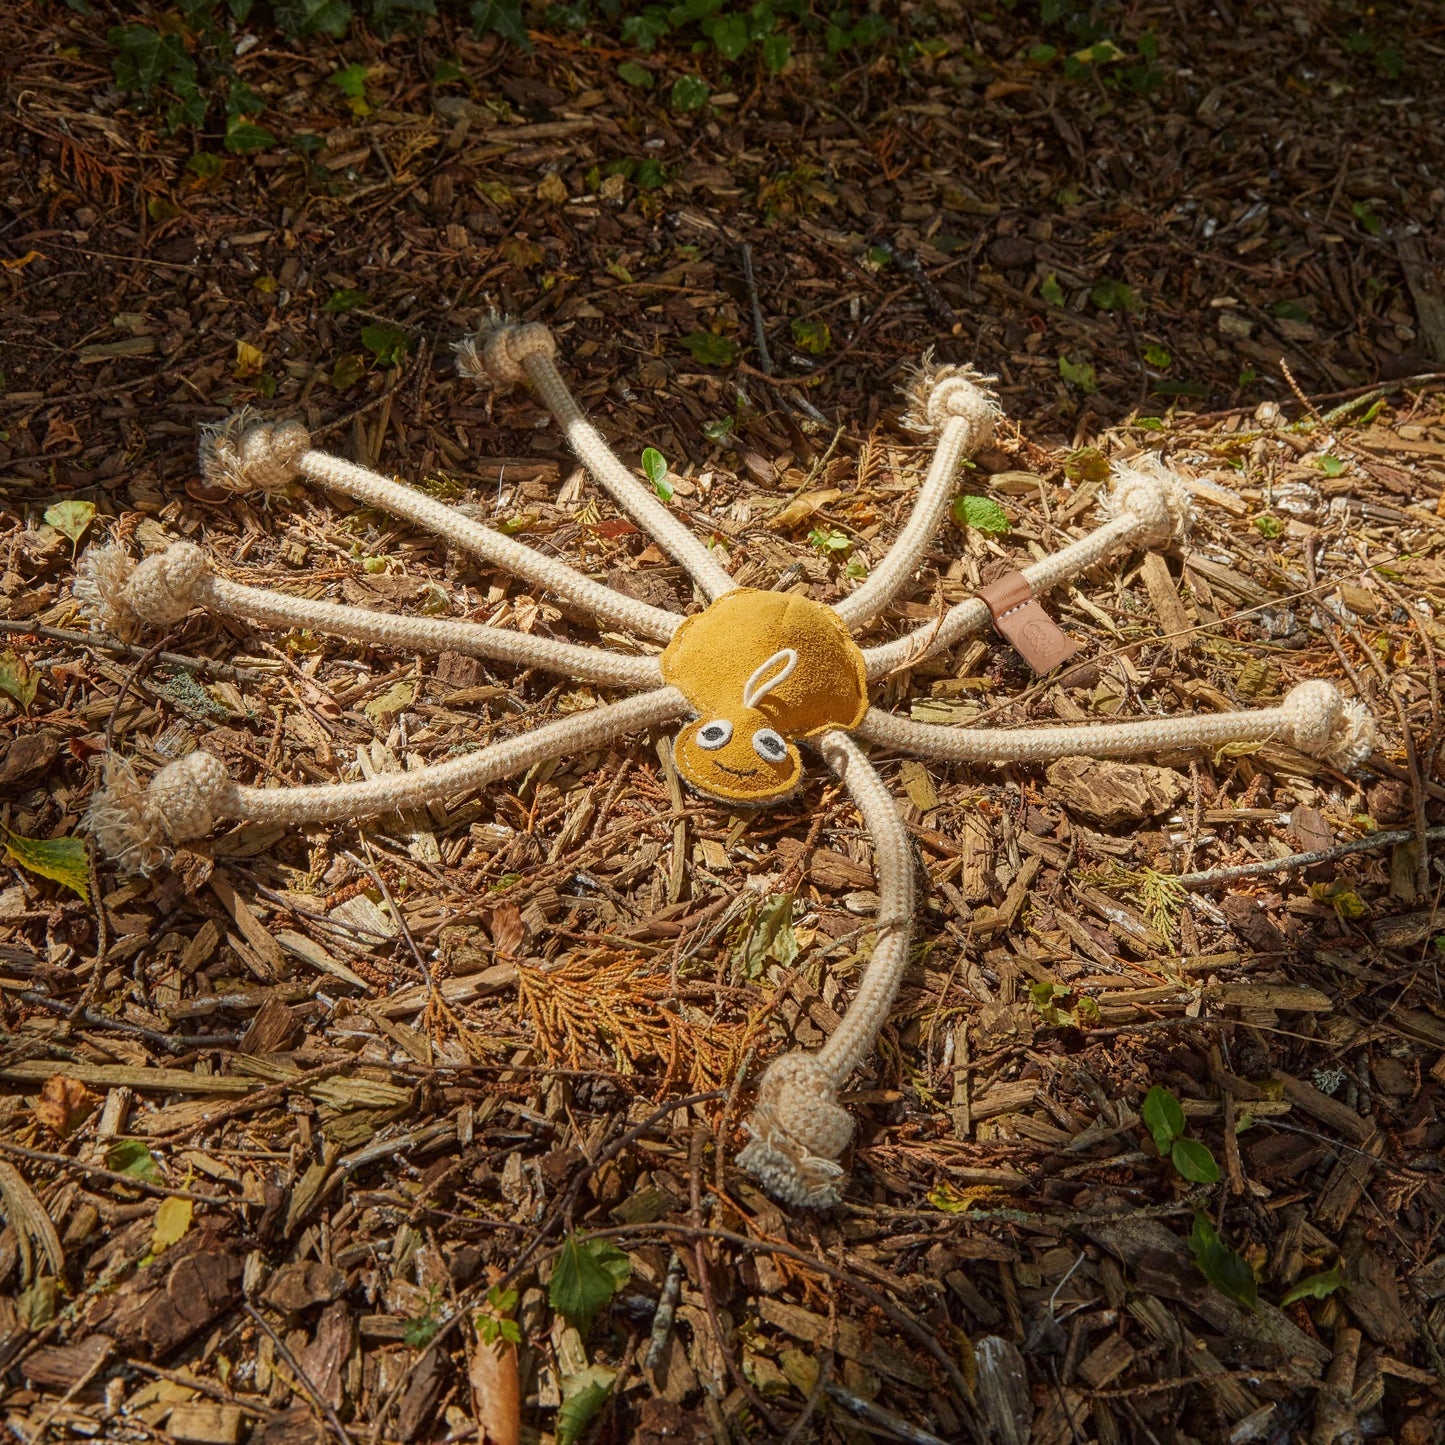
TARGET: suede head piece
(755,672)
(761,668)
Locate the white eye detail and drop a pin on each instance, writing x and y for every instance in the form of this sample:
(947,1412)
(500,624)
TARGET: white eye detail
(769,746)
(715,735)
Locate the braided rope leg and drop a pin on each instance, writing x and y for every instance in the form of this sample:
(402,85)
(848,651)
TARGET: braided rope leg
(508,352)
(1314,717)
(135,823)
(1150,508)
(128,597)
(242,454)
(954,403)
(798,1128)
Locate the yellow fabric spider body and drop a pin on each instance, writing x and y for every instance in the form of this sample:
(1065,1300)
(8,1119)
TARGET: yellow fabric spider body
(761,669)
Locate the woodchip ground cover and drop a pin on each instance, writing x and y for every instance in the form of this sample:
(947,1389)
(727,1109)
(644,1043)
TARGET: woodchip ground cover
(277,1124)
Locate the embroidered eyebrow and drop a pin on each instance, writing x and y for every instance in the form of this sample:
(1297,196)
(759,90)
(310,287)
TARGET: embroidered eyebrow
(755,689)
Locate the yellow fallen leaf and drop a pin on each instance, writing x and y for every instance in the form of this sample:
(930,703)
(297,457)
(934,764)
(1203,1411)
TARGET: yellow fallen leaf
(62,860)
(249,360)
(801,508)
(173,1219)
(383,708)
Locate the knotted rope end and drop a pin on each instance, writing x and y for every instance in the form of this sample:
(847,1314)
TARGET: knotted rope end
(124,825)
(500,349)
(101,578)
(798,1131)
(243,454)
(126,597)
(1326,725)
(134,823)
(1157,498)
(936,392)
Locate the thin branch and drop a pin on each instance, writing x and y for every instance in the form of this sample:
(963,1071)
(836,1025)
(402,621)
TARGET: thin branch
(301,1377)
(79,1166)
(1212,876)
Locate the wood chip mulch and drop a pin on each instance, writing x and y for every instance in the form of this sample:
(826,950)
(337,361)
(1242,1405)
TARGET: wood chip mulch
(276,1123)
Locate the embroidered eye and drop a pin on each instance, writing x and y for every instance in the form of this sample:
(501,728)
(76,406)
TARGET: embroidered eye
(715,735)
(769,746)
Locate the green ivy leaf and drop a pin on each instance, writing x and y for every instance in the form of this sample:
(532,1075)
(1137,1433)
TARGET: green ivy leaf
(1194,1161)
(1111,295)
(71,519)
(650,174)
(720,430)
(729,33)
(386,343)
(1158,357)
(777,51)
(587,1274)
(983,514)
(145,56)
(812,336)
(1316,1286)
(583,1395)
(1051,291)
(62,860)
(645,30)
(1163,1115)
(1224,1268)
(655,465)
(710,349)
(689,92)
(344,300)
(635,74)
(244,136)
(351,81)
(312,17)
(504,18)
(130,1156)
(1080,374)
(1331,466)
(1362,212)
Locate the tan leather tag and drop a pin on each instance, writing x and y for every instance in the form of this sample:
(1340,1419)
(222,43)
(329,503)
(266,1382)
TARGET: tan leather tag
(1035,636)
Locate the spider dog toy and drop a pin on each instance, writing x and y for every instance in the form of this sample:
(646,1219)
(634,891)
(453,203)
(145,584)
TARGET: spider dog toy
(752,676)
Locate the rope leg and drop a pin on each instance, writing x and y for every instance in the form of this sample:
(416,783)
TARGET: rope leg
(953,402)
(510,353)
(160,590)
(1313,717)
(1150,509)
(134,823)
(243,454)
(798,1128)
